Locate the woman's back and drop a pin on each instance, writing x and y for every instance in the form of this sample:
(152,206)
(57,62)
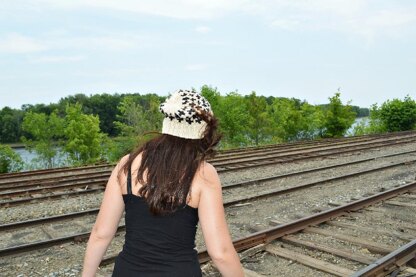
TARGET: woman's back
(165,187)
(157,245)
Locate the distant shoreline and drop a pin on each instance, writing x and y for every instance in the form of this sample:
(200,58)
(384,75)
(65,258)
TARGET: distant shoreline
(16,145)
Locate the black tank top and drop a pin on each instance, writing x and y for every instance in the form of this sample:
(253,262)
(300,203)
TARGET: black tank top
(157,245)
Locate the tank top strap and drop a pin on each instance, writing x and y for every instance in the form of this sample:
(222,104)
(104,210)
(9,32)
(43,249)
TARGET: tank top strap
(129,181)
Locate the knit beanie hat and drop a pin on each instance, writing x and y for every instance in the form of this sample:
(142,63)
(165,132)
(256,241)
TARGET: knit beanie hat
(181,114)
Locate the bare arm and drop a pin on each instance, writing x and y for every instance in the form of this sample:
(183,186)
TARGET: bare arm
(214,226)
(105,226)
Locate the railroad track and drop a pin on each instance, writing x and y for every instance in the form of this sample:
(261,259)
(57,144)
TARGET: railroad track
(95,185)
(344,234)
(58,173)
(78,224)
(96,181)
(83,222)
(13,193)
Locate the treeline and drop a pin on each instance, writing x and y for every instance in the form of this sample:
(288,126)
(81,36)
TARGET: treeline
(107,108)
(90,129)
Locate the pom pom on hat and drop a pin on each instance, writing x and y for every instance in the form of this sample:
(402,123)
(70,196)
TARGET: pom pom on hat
(181,114)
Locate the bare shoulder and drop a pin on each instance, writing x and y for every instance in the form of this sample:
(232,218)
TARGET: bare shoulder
(122,161)
(208,176)
(117,175)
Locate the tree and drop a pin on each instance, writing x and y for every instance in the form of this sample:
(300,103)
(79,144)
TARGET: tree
(152,115)
(372,125)
(398,115)
(213,96)
(258,129)
(138,116)
(105,106)
(286,119)
(312,122)
(233,120)
(10,124)
(131,121)
(46,132)
(10,161)
(338,118)
(84,139)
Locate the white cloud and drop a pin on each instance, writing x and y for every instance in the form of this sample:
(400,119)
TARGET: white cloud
(56,59)
(203,29)
(287,24)
(182,9)
(97,42)
(195,67)
(20,44)
(357,18)
(362,18)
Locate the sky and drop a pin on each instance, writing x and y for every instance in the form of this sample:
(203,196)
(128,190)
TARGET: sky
(305,49)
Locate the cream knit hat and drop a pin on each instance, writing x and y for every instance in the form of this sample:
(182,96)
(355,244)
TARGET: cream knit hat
(181,114)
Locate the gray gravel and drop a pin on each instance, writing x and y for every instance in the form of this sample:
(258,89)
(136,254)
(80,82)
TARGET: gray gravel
(240,219)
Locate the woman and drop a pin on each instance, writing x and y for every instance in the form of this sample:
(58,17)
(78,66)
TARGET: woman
(165,187)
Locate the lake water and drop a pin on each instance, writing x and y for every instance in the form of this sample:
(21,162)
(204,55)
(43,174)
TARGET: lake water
(356,122)
(28,158)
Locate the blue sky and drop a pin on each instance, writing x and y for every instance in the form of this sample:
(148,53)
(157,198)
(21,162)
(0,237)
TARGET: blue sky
(291,48)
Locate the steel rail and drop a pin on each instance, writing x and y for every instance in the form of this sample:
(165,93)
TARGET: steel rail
(328,149)
(390,262)
(225,187)
(245,164)
(290,144)
(103,179)
(315,183)
(268,235)
(50,182)
(44,220)
(46,243)
(259,196)
(89,182)
(323,140)
(273,233)
(50,171)
(320,146)
(244,183)
(53,196)
(292,147)
(296,157)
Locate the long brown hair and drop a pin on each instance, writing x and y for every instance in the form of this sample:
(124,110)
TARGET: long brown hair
(168,165)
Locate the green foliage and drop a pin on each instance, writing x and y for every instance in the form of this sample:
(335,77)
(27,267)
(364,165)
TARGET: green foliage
(338,118)
(293,120)
(105,106)
(233,118)
(371,125)
(10,124)
(46,132)
(259,122)
(398,115)
(131,120)
(392,116)
(361,112)
(243,120)
(10,161)
(312,125)
(83,136)
(213,97)
(138,115)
